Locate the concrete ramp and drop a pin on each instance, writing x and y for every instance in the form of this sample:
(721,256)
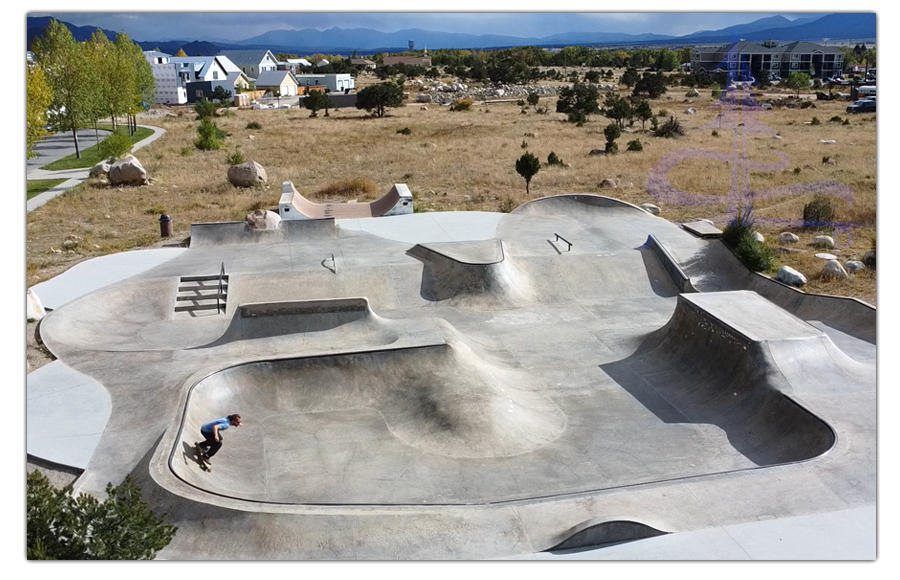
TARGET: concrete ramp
(719,361)
(231,233)
(293,206)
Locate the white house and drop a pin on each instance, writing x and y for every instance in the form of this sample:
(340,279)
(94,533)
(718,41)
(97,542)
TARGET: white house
(333,82)
(280,82)
(252,62)
(323,62)
(170,78)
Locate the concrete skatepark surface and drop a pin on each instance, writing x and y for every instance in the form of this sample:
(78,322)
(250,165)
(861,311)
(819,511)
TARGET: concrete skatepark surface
(474,398)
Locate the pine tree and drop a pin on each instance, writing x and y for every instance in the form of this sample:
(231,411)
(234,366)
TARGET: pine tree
(527,166)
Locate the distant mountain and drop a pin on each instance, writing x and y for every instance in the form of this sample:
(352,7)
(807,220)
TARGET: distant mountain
(832,26)
(740,30)
(37,25)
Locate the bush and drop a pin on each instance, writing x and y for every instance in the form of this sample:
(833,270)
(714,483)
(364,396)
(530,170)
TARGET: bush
(818,211)
(506,205)
(846,122)
(663,113)
(461,105)
(734,231)
(404,131)
(835,119)
(115,145)
(815,121)
(635,145)
(524,144)
(715,133)
(209,136)
(527,166)
(63,527)
(670,129)
(236,158)
(807,105)
(533,99)
(716,93)
(520,103)
(205,108)
(377,98)
(755,255)
(348,188)
(254,125)
(552,159)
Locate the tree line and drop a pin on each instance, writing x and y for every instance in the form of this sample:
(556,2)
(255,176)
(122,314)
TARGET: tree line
(73,85)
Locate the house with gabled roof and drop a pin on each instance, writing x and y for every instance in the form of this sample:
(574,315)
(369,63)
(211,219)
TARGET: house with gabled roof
(741,59)
(280,82)
(252,62)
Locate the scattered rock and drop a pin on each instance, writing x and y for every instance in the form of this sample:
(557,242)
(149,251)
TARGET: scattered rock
(833,271)
(759,237)
(787,238)
(691,111)
(102,168)
(692,93)
(128,171)
(251,137)
(597,152)
(827,141)
(869,259)
(791,277)
(262,219)
(650,208)
(826,256)
(34,310)
(823,242)
(830,162)
(854,266)
(533,135)
(609,183)
(424,108)
(423,98)
(776,137)
(791,250)
(247,174)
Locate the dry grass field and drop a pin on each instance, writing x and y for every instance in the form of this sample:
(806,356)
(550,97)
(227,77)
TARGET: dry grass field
(462,160)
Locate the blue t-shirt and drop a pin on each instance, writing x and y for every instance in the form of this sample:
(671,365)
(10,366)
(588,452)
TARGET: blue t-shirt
(223,423)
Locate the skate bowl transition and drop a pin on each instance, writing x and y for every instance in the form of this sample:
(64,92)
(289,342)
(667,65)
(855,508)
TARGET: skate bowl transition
(576,372)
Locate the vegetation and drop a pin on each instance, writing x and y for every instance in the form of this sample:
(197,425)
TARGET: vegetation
(63,527)
(818,212)
(221,95)
(630,78)
(670,129)
(553,159)
(92,155)
(740,237)
(612,133)
(254,125)
(635,145)
(797,82)
(209,136)
(815,121)
(38,98)
(527,166)
(651,85)
(404,131)
(37,186)
(617,108)
(205,108)
(461,105)
(577,102)
(236,158)
(377,98)
(115,145)
(316,101)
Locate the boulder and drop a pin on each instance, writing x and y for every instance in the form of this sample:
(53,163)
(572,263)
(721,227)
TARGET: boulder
(650,208)
(827,141)
(34,310)
(854,266)
(692,93)
(128,171)
(791,277)
(691,111)
(597,152)
(247,174)
(869,259)
(787,238)
(102,168)
(609,183)
(823,242)
(759,237)
(423,98)
(833,271)
(262,219)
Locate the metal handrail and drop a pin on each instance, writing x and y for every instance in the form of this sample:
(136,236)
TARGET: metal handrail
(559,237)
(219,291)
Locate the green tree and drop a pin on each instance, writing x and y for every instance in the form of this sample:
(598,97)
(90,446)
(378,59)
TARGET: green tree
(527,166)
(630,78)
(617,108)
(317,100)
(71,79)
(38,100)
(667,60)
(577,102)
(643,111)
(652,85)
(221,94)
(63,527)
(533,99)
(612,133)
(209,136)
(378,97)
(142,88)
(797,82)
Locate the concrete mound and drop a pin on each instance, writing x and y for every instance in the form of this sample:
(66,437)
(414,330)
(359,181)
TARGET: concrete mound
(715,362)
(595,534)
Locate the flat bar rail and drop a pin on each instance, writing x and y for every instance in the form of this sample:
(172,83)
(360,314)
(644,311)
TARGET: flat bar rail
(559,237)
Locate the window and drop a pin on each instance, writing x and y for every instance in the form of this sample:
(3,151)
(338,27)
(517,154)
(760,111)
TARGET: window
(199,93)
(215,75)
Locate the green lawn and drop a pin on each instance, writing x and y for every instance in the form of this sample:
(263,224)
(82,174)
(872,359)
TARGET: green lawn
(41,185)
(91,155)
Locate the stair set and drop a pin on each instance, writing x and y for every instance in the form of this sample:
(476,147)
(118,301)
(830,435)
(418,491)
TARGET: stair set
(202,294)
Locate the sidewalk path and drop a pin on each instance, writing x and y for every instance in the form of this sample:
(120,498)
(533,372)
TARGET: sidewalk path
(74,176)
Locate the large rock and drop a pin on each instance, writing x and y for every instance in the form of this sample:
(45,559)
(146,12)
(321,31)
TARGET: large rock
(692,93)
(609,183)
(791,277)
(787,238)
(423,98)
(102,168)
(597,152)
(262,219)
(650,208)
(691,111)
(833,271)
(128,171)
(869,259)
(823,242)
(759,237)
(247,174)
(34,310)
(854,266)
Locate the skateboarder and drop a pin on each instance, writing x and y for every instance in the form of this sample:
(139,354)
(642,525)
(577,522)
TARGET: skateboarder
(212,435)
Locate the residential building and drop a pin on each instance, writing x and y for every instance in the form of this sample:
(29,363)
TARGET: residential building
(334,82)
(252,62)
(740,59)
(202,74)
(407,60)
(363,63)
(323,62)
(171,78)
(280,82)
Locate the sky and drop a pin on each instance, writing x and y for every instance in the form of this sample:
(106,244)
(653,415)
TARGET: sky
(242,25)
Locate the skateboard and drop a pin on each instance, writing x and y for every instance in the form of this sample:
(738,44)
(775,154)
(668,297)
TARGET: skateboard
(204,465)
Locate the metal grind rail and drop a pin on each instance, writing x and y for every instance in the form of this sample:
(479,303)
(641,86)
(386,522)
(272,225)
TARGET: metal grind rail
(559,237)
(219,291)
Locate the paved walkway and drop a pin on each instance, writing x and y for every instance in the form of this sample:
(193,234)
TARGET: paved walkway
(59,146)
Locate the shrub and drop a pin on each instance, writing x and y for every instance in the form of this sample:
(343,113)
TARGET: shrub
(826,159)
(63,527)
(506,205)
(835,119)
(348,188)
(635,145)
(405,131)
(663,113)
(236,158)
(209,136)
(670,129)
(846,122)
(807,105)
(755,255)
(815,121)
(377,98)
(552,159)
(796,170)
(533,99)
(520,103)
(524,144)
(716,93)
(205,108)
(734,231)
(818,211)
(115,145)
(612,133)
(254,125)
(654,123)
(527,166)
(461,105)
(715,133)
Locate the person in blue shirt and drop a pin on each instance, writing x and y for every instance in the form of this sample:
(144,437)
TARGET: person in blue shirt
(212,435)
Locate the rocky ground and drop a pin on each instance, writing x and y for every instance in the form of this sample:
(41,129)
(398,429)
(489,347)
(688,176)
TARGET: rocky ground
(444,94)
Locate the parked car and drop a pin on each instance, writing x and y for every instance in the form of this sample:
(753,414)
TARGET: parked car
(862,106)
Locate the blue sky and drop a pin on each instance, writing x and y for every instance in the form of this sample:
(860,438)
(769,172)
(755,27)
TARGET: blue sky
(239,26)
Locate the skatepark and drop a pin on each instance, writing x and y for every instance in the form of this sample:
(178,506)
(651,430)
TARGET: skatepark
(464,385)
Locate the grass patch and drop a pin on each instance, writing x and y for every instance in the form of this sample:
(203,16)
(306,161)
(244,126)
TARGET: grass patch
(92,156)
(39,186)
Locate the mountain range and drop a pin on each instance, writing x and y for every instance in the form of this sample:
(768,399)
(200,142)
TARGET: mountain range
(835,27)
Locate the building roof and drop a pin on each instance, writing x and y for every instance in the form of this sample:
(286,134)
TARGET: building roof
(300,61)
(273,78)
(234,76)
(805,47)
(227,64)
(154,53)
(361,61)
(247,57)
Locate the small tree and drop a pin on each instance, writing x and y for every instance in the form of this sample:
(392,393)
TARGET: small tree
(209,136)
(527,166)
(577,102)
(617,108)
(797,81)
(317,100)
(180,52)
(612,133)
(204,108)
(221,94)
(62,527)
(652,85)
(38,99)
(643,112)
(533,99)
(378,97)
(630,78)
